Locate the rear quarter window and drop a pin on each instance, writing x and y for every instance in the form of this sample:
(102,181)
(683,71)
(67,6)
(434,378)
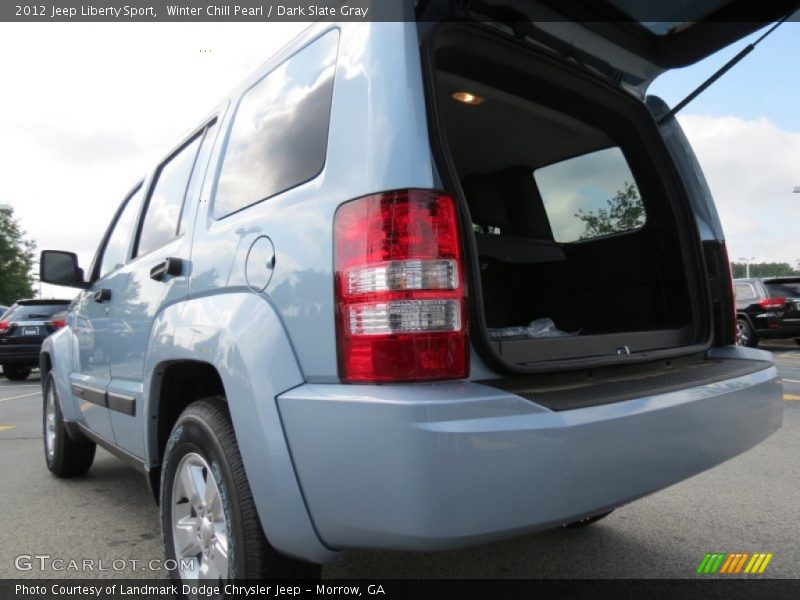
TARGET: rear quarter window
(745,291)
(279,137)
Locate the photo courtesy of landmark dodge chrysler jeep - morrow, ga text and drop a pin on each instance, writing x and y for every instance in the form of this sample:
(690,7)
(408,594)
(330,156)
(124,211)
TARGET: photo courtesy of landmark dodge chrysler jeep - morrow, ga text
(349,311)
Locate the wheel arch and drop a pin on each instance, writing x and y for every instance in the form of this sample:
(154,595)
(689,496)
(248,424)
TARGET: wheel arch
(233,344)
(55,358)
(175,385)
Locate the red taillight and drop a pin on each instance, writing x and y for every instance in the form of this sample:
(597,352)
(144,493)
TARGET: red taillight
(772,303)
(58,323)
(4,325)
(400,293)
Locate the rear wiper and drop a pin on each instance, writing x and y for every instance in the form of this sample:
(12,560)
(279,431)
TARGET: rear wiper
(719,73)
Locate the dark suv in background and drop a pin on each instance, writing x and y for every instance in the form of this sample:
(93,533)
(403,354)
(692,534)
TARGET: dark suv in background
(23,328)
(767,308)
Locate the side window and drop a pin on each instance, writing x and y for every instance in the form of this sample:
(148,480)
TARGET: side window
(590,196)
(197,174)
(745,291)
(115,253)
(279,137)
(163,212)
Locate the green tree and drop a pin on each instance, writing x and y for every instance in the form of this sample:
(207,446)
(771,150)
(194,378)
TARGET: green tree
(771,269)
(16,259)
(624,213)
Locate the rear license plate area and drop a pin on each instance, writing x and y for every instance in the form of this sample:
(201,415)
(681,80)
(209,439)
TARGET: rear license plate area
(30,331)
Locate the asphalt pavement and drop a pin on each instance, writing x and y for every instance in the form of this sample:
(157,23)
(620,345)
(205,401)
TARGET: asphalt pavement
(749,504)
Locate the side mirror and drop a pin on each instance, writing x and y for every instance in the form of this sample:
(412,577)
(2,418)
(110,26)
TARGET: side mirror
(61,268)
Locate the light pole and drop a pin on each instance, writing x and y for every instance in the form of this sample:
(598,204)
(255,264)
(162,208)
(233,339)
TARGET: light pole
(35,262)
(746,262)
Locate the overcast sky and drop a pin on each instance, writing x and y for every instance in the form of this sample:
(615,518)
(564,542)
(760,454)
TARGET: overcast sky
(86,109)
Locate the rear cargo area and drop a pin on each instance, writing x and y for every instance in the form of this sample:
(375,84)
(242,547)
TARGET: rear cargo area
(579,244)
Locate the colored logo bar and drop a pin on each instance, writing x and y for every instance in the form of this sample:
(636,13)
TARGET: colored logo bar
(734,562)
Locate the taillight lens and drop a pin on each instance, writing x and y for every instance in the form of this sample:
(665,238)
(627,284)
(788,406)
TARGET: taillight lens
(58,323)
(400,293)
(772,303)
(4,325)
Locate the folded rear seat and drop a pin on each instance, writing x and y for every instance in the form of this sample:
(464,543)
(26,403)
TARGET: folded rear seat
(501,238)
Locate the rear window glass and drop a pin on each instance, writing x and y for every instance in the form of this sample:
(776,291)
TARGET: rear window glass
(783,289)
(35,311)
(279,137)
(590,196)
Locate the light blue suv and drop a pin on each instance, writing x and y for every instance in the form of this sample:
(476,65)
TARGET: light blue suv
(412,286)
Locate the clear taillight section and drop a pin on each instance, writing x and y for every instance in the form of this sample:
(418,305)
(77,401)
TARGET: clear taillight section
(403,316)
(400,295)
(404,275)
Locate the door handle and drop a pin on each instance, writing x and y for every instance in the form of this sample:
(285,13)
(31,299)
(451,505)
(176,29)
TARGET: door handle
(172,267)
(102,295)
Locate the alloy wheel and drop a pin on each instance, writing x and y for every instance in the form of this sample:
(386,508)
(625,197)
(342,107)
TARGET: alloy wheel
(199,527)
(50,423)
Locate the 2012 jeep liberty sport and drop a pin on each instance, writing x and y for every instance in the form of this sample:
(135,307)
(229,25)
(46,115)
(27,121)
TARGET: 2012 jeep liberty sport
(413,286)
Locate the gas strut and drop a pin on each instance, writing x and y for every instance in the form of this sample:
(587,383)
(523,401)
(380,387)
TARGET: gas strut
(724,69)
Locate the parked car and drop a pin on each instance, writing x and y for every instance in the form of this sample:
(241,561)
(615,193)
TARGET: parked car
(3,310)
(308,289)
(23,328)
(767,308)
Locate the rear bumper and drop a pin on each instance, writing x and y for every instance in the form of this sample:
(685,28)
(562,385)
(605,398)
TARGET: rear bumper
(424,467)
(20,355)
(781,331)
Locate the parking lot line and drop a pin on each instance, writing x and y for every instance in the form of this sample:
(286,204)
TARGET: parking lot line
(791,380)
(6,427)
(20,396)
(791,397)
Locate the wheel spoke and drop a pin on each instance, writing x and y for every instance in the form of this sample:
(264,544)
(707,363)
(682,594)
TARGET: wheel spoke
(191,573)
(186,543)
(193,484)
(220,559)
(221,533)
(207,570)
(212,498)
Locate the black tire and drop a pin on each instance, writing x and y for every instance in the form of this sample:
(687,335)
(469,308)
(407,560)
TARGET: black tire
(69,458)
(587,521)
(204,428)
(747,336)
(16,372)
